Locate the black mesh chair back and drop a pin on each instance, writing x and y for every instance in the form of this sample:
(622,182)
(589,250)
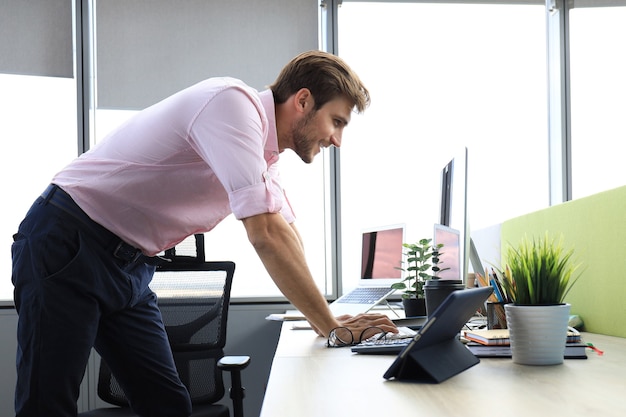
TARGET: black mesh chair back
(194,301)
(193,297)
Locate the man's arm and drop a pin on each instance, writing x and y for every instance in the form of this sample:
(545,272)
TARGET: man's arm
(280,249)
(295,230)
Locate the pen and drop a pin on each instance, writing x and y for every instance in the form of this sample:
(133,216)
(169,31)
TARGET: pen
(496,290)
(503,294)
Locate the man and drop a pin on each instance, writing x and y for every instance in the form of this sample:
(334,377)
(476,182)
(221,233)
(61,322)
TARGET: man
(85,253)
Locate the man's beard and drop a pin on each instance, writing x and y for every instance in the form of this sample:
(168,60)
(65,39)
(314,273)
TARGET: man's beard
(302,141)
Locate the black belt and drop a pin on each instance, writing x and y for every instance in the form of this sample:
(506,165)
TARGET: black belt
(121,250)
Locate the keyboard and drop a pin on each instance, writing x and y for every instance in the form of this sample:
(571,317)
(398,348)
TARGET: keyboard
(393,343)
(364,295)
(403,333)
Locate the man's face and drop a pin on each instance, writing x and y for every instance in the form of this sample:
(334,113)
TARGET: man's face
(321,128)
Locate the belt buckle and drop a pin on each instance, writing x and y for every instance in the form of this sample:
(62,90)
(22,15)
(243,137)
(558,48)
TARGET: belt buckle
(126,252)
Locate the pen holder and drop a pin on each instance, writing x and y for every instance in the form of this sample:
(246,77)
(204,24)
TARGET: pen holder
(496,316)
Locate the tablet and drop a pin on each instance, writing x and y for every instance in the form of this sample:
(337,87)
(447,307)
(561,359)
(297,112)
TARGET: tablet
(436,353)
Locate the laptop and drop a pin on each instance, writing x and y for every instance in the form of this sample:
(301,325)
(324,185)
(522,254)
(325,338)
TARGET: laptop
(381,257)
(435,353)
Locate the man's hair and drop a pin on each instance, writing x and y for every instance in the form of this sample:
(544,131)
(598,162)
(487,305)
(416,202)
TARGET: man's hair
(327,77)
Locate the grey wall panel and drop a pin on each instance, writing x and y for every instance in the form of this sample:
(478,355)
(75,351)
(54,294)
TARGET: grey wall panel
(36,37)
(149,49)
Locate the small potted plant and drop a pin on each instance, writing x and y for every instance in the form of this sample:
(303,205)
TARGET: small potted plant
(421,258)
(538,274)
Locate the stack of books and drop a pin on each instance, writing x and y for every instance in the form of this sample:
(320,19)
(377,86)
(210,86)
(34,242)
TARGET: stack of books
(496,343)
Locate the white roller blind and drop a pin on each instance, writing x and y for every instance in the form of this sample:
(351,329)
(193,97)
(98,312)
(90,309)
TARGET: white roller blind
(149,49)
(36,37)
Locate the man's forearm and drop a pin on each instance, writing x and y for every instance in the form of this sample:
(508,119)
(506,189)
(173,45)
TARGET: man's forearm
(280,250)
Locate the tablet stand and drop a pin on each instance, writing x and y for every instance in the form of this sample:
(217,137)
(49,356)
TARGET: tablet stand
(437,362)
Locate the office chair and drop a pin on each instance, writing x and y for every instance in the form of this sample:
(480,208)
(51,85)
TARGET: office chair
(193,296)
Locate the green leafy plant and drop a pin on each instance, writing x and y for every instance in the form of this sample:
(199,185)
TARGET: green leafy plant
(538,272)
(421,257)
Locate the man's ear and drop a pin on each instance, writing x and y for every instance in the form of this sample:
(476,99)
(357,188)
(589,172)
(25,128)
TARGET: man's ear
(304,99)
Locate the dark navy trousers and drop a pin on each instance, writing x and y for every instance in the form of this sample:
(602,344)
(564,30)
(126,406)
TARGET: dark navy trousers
(71,294)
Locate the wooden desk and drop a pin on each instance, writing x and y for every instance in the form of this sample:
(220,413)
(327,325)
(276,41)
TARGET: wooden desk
(308,379)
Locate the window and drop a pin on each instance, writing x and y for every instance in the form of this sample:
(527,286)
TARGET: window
(37,108)
(442,76)
(39,135)
(141,61)
(598,88)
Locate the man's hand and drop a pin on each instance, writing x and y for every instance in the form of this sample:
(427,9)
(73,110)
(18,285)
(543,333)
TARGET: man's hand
(357,324)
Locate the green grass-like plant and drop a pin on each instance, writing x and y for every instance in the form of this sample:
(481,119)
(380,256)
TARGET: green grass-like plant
(538,272)
(420,258)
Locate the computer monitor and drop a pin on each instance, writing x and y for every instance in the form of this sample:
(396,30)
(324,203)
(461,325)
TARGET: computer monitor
(453,206)
(446,190)
(450,254)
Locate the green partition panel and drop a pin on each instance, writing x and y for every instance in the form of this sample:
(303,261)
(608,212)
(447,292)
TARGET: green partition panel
(595,227)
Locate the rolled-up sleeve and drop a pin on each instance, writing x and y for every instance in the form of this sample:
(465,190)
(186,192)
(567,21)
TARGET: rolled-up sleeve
(265,197)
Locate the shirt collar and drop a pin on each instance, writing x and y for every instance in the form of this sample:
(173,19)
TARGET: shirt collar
(271,146)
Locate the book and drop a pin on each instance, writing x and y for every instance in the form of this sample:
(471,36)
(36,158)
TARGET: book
(576,350)
(489,337)
(500,337)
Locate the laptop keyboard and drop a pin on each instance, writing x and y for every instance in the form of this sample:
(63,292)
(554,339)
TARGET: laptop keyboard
(364,295)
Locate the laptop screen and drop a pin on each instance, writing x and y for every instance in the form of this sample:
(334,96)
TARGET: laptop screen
(381,253)
(450,253)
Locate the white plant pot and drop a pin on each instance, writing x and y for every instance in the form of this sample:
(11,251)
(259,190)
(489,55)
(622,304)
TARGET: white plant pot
(537,333)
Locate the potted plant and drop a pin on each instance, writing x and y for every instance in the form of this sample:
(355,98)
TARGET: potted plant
(421,258)
(538,275)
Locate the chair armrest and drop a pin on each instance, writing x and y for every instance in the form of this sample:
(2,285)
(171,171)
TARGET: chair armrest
(232,363)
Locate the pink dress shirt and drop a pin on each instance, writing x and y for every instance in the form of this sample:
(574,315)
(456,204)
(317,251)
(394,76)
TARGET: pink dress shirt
(182,165)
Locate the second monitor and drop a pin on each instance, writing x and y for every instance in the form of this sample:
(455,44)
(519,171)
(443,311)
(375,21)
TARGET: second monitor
(450,256)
